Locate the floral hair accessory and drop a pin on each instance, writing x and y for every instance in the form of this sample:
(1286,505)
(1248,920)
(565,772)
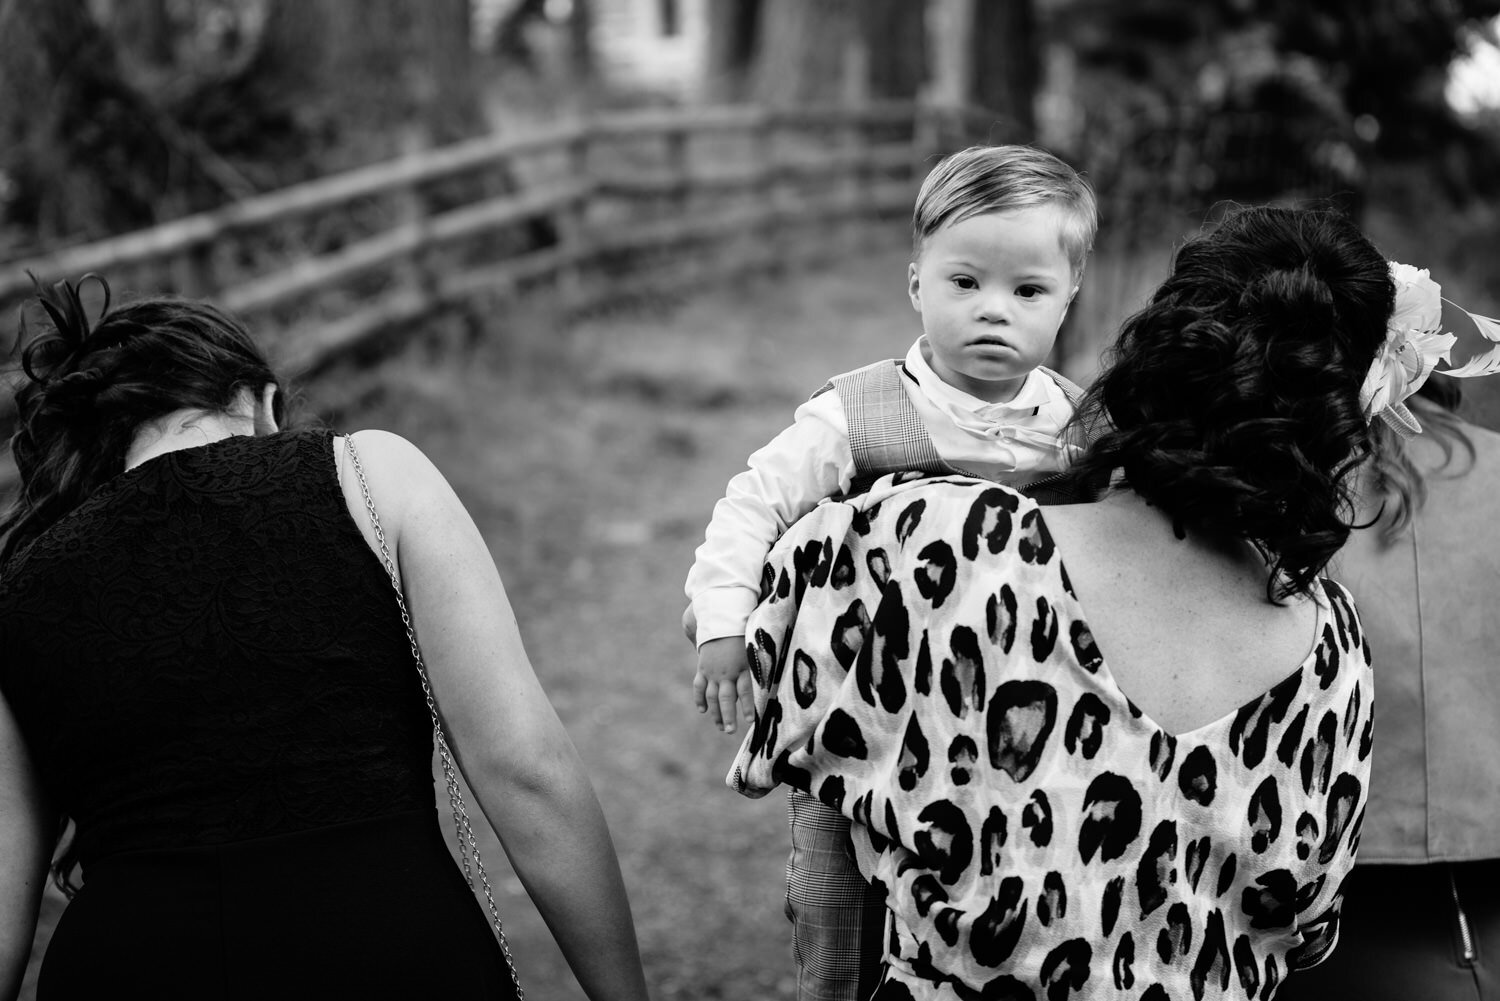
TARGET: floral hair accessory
(1414,344)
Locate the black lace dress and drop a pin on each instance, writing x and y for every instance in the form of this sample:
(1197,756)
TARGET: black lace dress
(209,667)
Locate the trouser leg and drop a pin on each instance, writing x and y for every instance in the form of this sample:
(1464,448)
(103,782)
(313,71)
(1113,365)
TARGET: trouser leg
(837,920)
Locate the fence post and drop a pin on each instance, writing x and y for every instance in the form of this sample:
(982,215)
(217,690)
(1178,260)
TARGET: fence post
(412,272)
(850,146)
(675,151)
(762,138)
(926,139)
(192,272)
(572,219)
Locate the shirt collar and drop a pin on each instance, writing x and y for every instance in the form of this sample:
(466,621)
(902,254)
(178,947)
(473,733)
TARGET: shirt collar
(1032,394)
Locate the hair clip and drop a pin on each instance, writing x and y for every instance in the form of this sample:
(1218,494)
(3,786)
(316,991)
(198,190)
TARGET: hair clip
(64,308)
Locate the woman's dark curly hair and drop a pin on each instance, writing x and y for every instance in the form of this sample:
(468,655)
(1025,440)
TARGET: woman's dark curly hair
(1231,401)
(88,387)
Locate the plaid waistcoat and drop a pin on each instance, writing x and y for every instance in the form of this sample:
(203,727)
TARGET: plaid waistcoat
(886,433)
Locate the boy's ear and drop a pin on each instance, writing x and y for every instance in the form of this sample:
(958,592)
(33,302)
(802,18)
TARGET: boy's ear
(914,286)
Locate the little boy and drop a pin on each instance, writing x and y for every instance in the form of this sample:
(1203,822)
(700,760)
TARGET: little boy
(1001,235)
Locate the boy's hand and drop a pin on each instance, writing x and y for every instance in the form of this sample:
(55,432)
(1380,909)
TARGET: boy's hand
(690,625)
(724,677)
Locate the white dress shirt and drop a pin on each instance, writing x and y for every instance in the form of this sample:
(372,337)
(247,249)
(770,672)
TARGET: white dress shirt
(1014,443)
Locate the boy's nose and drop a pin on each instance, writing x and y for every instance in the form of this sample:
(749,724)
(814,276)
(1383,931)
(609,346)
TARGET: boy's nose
(993,309)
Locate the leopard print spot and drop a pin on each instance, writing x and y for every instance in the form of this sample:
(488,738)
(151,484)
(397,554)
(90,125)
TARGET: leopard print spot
(1084,650)
(1194,860)
(1199,776)
(1085,730)
(1000,618)
(1109,907)
(962,678)
(992,836)
(911,767)
(1156,873)
(1043,630)
(935,578)
(1272,901)
(1264,816)
(1018,722)
(849,633)
(1175,939)
(998,927)
(843,737)
(1123,961)
(1111,822)
(1213,958)
(1066,969)
(947,843)
(908,520)
(988,521)
(1053,901)
(1343,800)
(1246,966)
(963,755)
(1035,545)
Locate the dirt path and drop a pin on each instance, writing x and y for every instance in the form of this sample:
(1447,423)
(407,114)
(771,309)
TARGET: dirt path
(591,461)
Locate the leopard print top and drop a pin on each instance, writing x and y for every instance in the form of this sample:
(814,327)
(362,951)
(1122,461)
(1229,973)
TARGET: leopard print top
(924,667)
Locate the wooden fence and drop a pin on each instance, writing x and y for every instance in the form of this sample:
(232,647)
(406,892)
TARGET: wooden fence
(588,208)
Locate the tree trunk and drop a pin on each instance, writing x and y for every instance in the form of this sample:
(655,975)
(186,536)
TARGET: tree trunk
(581,40)
(399,72)
(734,28)
(143,30)
(895,35)
(80,146)
(804,51)
(1006,63)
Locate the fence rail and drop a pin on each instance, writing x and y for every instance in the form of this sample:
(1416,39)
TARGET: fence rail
(321,266)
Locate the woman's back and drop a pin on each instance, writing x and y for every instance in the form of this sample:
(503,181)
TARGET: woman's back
(207,651)
(1030,824)
(1185,624)
(209,665)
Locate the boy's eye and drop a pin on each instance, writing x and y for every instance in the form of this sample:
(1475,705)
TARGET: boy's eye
(965,282)
(1030,291)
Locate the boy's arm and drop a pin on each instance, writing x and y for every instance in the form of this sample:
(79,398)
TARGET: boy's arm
(805,463)
(801,466)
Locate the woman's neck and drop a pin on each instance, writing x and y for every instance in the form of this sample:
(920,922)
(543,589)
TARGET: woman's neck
(187,428)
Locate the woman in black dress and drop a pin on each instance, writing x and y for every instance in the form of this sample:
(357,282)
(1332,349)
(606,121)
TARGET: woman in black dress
(204,665)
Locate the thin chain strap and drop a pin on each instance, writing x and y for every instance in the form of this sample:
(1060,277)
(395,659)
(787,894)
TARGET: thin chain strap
(465,830)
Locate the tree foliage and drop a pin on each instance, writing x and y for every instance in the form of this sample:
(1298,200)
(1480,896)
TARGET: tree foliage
(116,114)
(1201,100)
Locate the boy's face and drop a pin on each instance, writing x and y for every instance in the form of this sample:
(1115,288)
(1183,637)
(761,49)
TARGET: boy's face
(992,290)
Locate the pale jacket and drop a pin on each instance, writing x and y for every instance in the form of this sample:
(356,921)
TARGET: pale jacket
(1429,604)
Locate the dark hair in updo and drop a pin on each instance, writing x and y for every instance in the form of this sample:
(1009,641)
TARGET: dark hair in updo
(1231,401)
(88,387)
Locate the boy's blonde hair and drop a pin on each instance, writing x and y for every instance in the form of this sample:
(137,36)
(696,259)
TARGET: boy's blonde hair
(984,179)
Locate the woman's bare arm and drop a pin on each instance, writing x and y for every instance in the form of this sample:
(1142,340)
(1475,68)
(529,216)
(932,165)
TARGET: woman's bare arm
(26,828)
(511,746)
